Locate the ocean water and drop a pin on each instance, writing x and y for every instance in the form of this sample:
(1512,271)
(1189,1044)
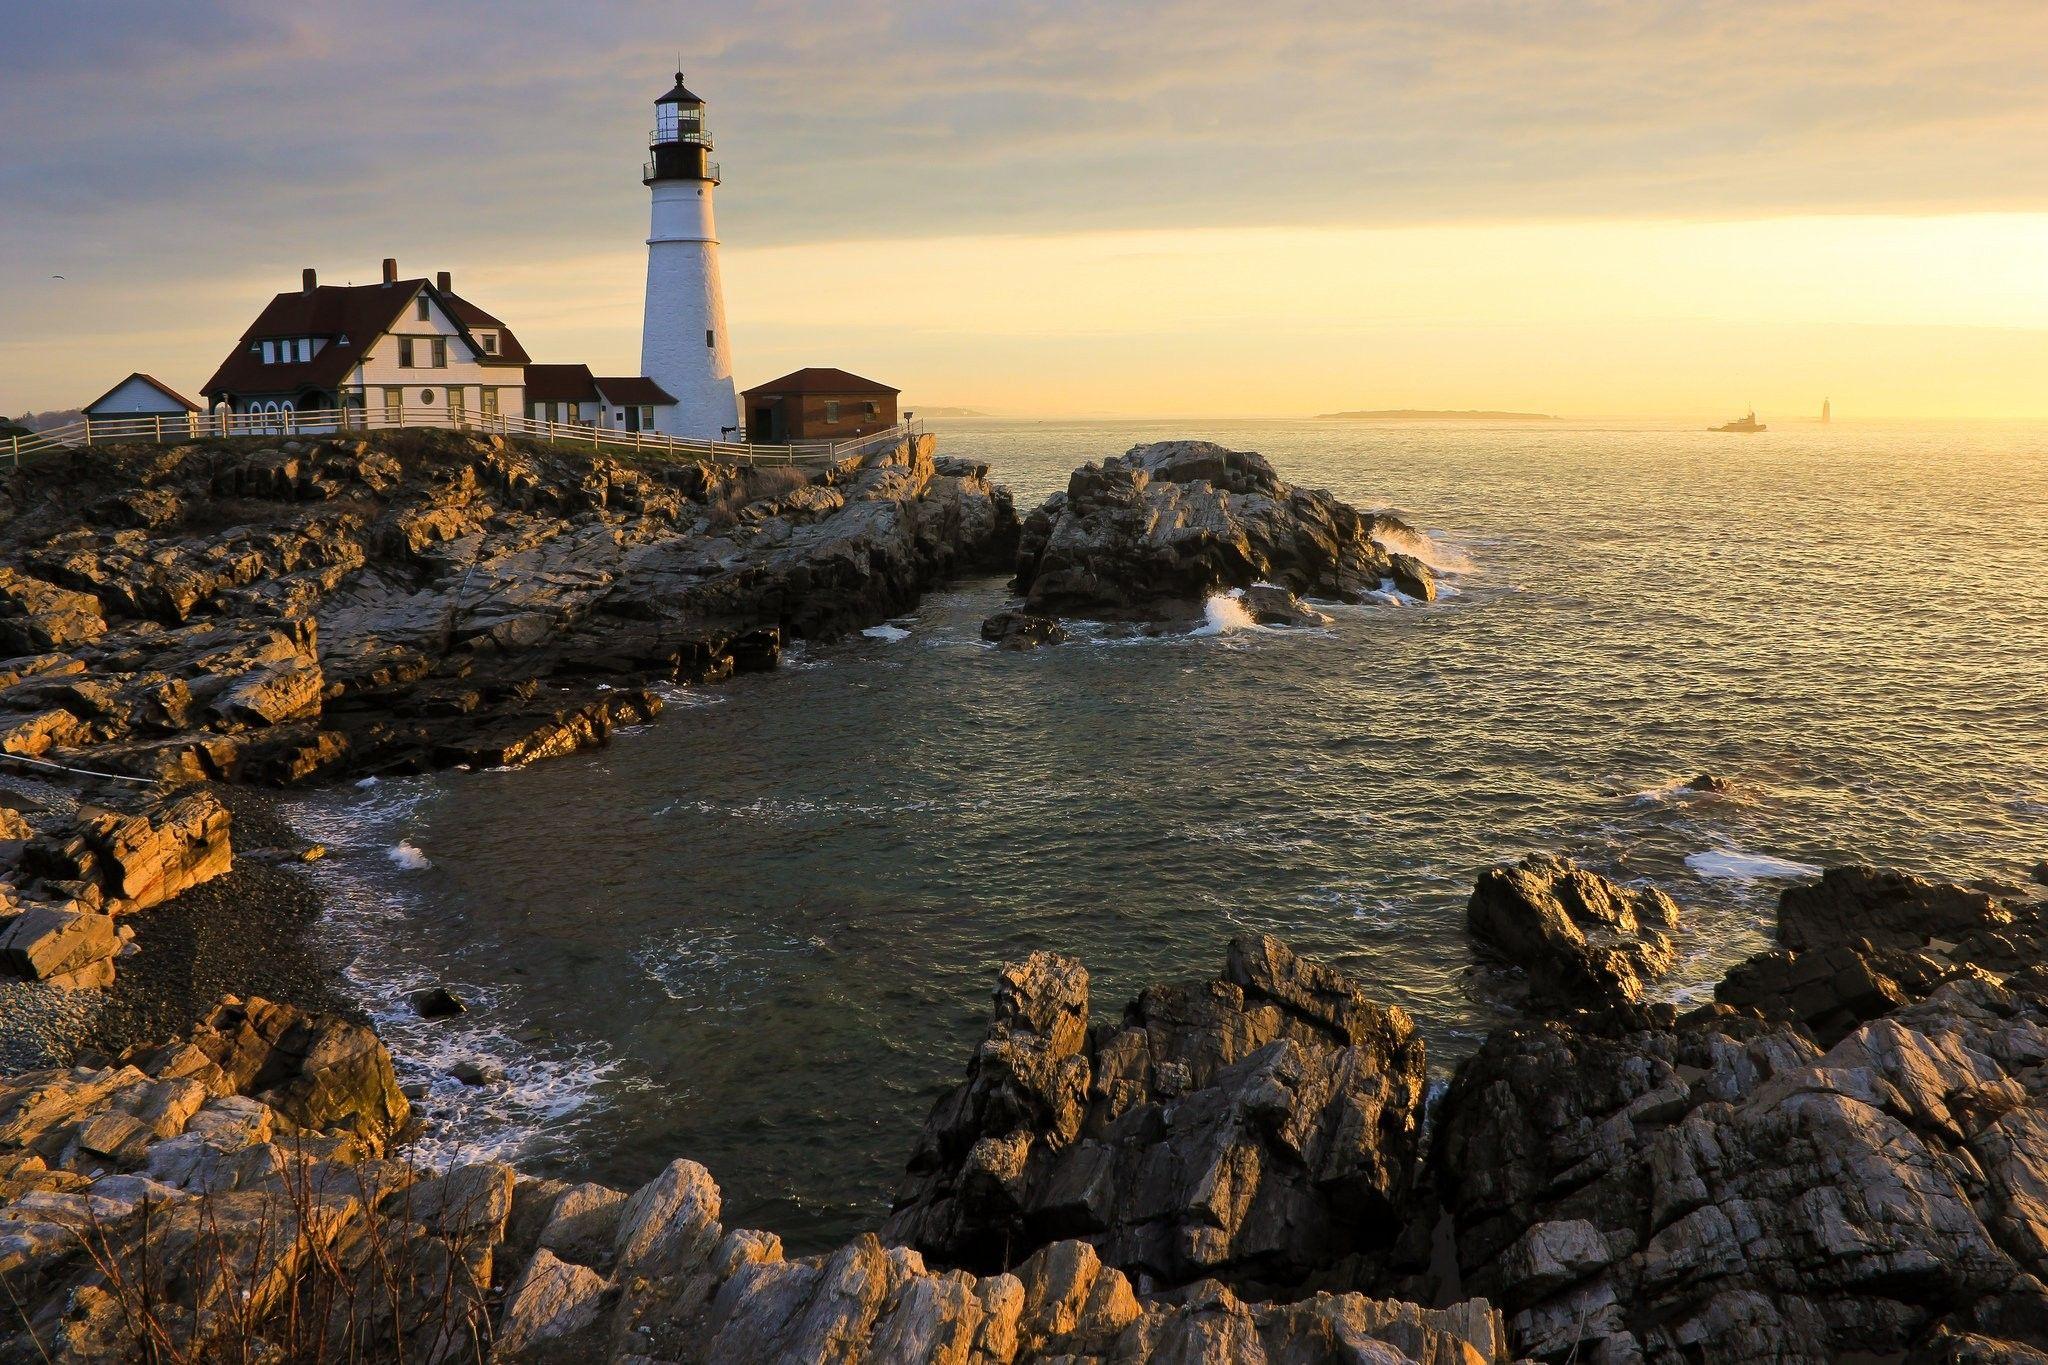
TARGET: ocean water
(761,933)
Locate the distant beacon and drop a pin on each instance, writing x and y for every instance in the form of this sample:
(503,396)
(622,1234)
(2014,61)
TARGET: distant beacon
(683,345)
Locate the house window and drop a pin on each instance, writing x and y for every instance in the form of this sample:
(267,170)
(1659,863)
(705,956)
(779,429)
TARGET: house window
(831,412)
(394,404)
(872,410)
(270,353)
(554,412)
(405,353)
(440,353)
(422,306)
(647,419)
(487,399)
(489,341)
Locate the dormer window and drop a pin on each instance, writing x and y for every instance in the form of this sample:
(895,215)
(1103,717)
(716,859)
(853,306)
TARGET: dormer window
(270,353)
(489,341)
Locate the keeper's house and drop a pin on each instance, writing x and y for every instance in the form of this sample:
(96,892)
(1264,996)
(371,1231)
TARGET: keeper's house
(817,405)
(144,406)
(397,346)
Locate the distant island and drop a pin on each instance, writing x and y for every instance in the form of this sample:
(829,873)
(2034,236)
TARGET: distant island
(935,411)
(1436,415)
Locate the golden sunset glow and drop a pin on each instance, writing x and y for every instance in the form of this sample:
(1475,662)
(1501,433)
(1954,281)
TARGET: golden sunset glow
(1590,216)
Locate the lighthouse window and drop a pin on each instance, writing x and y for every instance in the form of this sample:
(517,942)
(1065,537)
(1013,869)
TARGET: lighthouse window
(709,338)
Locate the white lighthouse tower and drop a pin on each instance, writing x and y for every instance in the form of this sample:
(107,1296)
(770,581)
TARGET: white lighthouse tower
(683,346)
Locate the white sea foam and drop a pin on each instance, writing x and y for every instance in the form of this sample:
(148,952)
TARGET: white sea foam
(1387,595)
(1728,864)
(1439,555)
(408,856)
(366,782)
(1224,613)
(889,633)
(369,900)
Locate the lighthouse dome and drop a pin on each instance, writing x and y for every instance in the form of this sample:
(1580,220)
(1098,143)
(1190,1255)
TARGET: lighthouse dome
(680,95)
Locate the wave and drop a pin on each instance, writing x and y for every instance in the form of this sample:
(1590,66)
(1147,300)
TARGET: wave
(1223,614)
(406,854)
(369,899)
(1728,864)
(889,633)
(1440,555)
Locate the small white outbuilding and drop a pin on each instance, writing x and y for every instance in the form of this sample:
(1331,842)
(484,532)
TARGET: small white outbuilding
(144,407)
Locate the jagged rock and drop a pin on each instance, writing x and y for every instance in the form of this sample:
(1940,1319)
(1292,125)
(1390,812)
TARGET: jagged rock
(142,857)
(36,615)
(551,1300)
(1582,940)
(1276,606)
(322,1072)
(1708,782)
(1022,630)
(1724,1191)
(1412,577)
(1886,908)
(1860,942)
(1178,521)
(1246,1128)
(67,948)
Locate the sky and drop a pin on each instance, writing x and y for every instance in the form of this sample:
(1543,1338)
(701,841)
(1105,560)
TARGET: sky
(1186,207)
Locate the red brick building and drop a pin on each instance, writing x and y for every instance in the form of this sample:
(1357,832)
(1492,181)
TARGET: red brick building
(817,405)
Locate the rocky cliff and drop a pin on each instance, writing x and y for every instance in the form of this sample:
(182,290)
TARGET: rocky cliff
(274,611)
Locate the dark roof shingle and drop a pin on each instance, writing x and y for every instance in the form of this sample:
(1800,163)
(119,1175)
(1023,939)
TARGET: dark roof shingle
(820,380)
(560,384)
(351,318)
(634,390)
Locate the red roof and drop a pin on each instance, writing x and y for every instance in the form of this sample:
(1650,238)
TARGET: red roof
(165,389)
(635,391)
(351,318)
(560,384)
(819,381)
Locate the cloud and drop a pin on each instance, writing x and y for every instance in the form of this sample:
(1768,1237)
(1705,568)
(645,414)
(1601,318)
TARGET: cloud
(234,140)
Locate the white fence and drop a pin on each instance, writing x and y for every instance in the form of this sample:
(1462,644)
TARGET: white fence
(203,425)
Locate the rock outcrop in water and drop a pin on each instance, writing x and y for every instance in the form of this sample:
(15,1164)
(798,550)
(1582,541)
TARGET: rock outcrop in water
(272,611)
(1582,940)
(1250,1128)
(1734,1187)
(1160,529)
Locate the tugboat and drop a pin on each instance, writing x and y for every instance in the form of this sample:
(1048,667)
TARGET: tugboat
(1744,423)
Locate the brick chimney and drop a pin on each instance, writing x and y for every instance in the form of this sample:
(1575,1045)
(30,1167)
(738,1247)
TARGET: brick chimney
(441,283)
(391,270)
(308,280)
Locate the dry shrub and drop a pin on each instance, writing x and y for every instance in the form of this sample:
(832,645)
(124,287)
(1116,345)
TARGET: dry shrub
(749,485)
(318,1268)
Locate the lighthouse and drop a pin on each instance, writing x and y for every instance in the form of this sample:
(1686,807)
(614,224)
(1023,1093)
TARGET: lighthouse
(683,346)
